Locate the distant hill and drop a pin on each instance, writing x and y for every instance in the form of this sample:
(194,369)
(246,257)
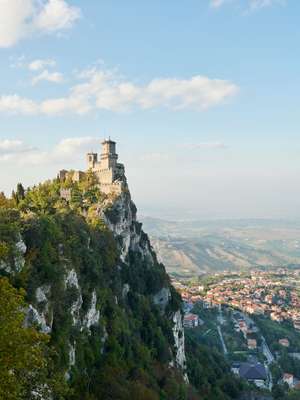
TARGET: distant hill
(191,247)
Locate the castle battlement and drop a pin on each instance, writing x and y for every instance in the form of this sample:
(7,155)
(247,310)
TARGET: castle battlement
(109,173)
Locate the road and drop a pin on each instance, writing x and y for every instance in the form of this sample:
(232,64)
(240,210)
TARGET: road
(222,340)
(206,333)
(270,379)
(266,350)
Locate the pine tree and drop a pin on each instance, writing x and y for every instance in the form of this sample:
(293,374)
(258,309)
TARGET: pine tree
(20,191)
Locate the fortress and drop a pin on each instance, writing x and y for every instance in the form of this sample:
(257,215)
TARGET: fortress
(109,173)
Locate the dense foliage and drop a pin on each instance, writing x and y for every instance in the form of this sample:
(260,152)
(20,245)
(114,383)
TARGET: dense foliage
(273,331)
(128,354)
(209,372)
(26,366)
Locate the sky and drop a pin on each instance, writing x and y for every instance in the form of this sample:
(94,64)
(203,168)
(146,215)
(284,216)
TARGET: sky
(202,97)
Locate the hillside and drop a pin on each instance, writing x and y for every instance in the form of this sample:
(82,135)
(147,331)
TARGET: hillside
(95,290)
(94,285)
(190,247)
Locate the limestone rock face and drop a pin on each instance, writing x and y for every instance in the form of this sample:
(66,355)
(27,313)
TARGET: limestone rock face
(18,261)
(178,332)
(93,315)
(42,293)
(72,281)
(75,301)
(72,354)
(42,314)
(19,258)
(162,297)
(33,317)
(5,267)
(121,219)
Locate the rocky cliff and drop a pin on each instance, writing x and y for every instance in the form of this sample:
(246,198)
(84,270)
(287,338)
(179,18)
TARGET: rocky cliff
(95,286)
(121,219)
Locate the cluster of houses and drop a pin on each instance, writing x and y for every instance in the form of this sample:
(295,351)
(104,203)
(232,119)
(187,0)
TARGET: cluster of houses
(253,371)
(291,381)
(190,320)
(261,293)
(256,373)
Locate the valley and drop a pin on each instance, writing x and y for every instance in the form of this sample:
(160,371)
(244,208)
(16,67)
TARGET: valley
(195,247)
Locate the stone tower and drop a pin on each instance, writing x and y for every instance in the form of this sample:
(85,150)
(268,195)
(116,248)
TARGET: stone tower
(109,156)
(92,159)
(110,173)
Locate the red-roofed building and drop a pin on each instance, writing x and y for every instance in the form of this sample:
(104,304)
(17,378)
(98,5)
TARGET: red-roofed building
(190,321)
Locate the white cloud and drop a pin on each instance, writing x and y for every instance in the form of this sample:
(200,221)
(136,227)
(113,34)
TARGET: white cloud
(72,104)
(55,77)
(252,4)
(111,93)
(72,147)
(255,4)
(217,3)
(198,92)
(21,18)
(17,62)
(7,145)
(155,157)
(14,104)
(205,145)
(104,90)
(11,149)
(56,15)
(66,151)
(37,65)
(14,15)
(171,156)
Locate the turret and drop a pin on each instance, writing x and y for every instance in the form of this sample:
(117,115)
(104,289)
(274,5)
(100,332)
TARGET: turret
(109,156)
(92,159)
(108,147)
(109,173)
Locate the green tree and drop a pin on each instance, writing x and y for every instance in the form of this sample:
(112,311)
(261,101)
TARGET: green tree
(4,201)
(18,195)
(20,191)
(24,367)
(41,199)
(76,197)
(278,392)
(293,395)
(4,250)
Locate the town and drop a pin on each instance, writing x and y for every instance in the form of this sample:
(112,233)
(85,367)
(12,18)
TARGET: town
(253,318)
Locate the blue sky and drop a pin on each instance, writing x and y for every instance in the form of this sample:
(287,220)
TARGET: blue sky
(202,96)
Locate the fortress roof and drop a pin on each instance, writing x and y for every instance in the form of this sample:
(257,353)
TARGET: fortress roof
(108,141)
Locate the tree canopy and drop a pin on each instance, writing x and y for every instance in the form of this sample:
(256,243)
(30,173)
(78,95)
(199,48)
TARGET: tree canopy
(24,365)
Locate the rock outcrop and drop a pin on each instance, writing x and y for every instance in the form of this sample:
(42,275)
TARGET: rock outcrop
(121,218)
(96,287)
